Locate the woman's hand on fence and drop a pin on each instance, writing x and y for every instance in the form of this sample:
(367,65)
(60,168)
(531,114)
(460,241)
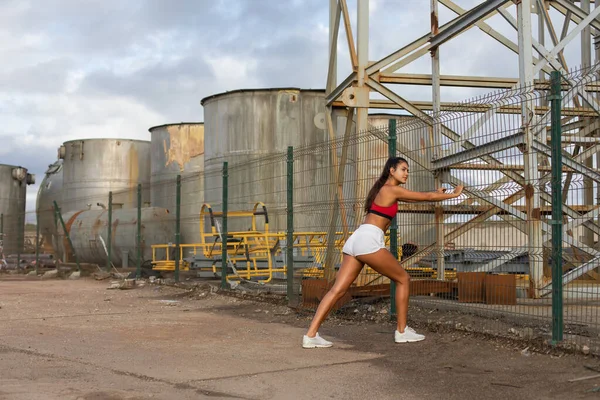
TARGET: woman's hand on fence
(458,190)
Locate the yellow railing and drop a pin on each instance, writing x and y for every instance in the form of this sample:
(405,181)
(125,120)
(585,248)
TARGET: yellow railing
(252,253)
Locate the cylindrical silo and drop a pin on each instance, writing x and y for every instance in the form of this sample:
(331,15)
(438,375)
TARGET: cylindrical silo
(13,189)
(88,231)
(178,149)
(94,167)
(242,126)
(414,144)
(50,190)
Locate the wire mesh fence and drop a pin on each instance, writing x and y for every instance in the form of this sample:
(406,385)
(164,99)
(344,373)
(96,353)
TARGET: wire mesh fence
(278,222)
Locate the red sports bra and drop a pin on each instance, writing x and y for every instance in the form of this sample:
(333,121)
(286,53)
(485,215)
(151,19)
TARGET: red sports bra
(386,212)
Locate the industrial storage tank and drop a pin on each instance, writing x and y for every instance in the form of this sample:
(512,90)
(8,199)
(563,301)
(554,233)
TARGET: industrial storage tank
(242,126)
(88,231)
(13,186)
(50,190)
(178,149)
(94,167)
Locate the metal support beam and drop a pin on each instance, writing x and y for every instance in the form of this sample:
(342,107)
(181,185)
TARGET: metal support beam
(386,64)
(466,21)
(491,82)
(337,92)
(471,108)
(577,13)
(437,138)
(479,151)
(568,162)
(334,22)
(536,45)
(349,36)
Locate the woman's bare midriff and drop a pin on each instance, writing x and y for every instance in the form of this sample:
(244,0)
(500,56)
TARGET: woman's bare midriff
(380,222)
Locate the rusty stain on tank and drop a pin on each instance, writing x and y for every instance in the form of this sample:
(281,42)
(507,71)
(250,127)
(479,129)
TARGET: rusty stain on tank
(69,250)
(115,224)
(185,143)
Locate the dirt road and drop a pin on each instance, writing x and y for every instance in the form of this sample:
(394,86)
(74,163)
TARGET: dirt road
(78,340)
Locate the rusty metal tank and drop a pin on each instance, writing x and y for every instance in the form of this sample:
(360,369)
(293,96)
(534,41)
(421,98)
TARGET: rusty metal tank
(178,149)
(242,126)
(89,233)
(50,190)
(94,167)
(13,186)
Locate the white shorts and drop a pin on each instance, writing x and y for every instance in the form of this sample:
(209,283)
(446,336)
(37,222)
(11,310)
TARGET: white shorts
(366,239)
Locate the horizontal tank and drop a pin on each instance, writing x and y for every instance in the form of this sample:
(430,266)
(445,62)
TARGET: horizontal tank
(94,167)
(243,126)
(50,190)
(88,231)
(178,149)
(13,186)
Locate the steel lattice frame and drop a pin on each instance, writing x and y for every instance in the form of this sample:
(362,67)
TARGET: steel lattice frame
(353,94)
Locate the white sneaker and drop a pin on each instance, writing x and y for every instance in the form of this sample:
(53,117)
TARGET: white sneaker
(317,341)
(409,335)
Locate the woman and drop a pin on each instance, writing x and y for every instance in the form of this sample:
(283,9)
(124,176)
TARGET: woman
(366,246)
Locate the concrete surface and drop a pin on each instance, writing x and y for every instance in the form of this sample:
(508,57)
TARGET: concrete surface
(64,339)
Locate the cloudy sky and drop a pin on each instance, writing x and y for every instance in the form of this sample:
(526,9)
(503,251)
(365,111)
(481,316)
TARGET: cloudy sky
(112,68)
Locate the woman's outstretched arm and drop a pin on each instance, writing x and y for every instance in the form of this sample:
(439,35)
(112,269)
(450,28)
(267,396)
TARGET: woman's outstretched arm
(410,196)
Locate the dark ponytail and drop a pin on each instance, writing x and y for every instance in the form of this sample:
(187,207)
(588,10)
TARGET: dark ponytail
(392,162)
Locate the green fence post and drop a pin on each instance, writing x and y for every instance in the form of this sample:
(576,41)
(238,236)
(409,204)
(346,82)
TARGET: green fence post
(394,223)
(177,227)
(109,232)
(37,242)
(557,215)
(62,223)
(290,225)
(138,265)
(224,232)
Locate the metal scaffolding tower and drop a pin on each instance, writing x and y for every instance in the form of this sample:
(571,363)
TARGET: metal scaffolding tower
(353,97)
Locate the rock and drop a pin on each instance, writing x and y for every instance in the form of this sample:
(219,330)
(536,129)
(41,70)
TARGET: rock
(101,275)
(127,284)
(170,302)
(114,285)
(383,311)
(525,352)
(527,333)
(75,275)
(50,274)
(32,273)
(585,350)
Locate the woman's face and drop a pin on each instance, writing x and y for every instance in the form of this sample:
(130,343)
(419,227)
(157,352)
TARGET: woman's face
(400,172)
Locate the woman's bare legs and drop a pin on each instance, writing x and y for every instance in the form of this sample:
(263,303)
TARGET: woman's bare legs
(384,262)
(348,272)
